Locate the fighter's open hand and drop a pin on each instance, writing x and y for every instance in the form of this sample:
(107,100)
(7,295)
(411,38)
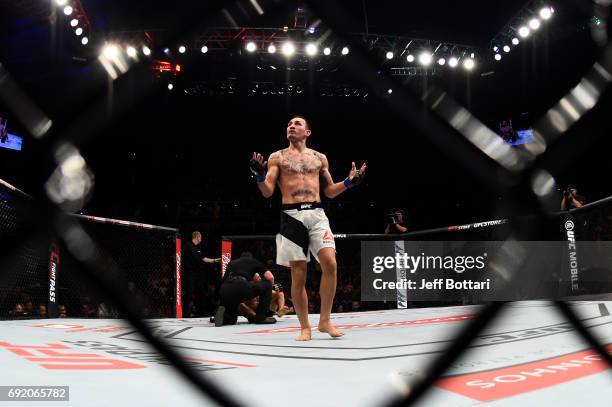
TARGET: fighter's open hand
(356,175)
(258,166)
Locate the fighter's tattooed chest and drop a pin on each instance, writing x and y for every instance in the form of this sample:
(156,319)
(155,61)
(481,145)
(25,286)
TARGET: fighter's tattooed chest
(307,162)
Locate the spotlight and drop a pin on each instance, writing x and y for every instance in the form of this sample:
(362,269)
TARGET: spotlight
(78,31)
(410,58)
(311,49)
(534,23)
(251,47)
(146,50)
(74,22)
(515,41)
(506,48)
(111,51)
(182,49)
(389,55)
(469,64)
(170,86)
(472,55)
(204,49)
(496,49)
(345,50)
(524,32)
(166,50)
(312,30)
(68,10)
(545,13)
(453,62)
(272,49)
(498,57)
(288,49)
(84,40)
(327,50)
(425,58)
(441,61)
(389,91)
(131,51)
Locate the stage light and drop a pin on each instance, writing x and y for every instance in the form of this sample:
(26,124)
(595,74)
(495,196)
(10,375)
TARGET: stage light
(515,41)
(68,10)
(453,62)
(389,55)
(441,61)
(498,57)
(469,64)
(204,49)
(61,2)
(146,50)
(170,86)
(327,51)
(389,91)
(272,48)
(182,49)
(506,48)
(534,23)
(545,13)
(74,22)
(251,46)
(425,58)
(131,51)
(78,31)
(84,40)
(410,58)
(524,32)
(111,51)
(166,50)
(288,49)
(496,49)
(345,50)
(311,49)
(312,30)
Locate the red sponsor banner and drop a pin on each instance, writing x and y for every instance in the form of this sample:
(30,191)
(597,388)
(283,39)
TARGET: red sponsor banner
(226,255)
(454,318)
(55,356)
(179,297)
(510,381)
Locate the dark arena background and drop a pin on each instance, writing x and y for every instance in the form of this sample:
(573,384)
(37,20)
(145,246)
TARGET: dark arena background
(125,127)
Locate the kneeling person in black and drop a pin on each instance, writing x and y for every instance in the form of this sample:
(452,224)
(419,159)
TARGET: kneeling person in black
(238,286)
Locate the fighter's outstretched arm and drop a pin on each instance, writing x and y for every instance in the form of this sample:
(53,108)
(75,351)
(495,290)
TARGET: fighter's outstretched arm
(332,189)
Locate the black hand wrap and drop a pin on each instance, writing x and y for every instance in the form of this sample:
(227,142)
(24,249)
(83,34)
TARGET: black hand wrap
(258,170)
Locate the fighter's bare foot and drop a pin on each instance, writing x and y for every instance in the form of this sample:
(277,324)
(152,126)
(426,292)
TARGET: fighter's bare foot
(305,335)
(331,330)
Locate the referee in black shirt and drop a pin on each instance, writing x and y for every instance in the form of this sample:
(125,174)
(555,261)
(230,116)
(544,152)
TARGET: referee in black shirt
(238,286)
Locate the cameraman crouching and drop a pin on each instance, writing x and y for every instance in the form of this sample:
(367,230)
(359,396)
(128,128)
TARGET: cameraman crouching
(396,223)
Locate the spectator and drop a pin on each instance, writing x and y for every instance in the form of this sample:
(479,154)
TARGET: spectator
(396,223)
(571,199)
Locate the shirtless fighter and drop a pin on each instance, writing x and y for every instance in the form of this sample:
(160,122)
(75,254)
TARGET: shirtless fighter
(304,227)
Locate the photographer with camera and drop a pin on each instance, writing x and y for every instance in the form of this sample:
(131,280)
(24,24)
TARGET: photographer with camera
(396,223)
(571,199)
